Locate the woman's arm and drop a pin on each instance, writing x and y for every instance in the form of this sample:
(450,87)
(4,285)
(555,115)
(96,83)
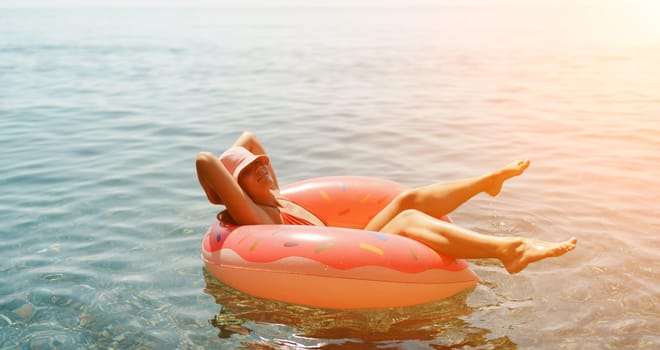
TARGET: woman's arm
(221,188)
(250,142)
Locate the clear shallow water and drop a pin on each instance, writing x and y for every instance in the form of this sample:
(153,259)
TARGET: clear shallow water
(102,112)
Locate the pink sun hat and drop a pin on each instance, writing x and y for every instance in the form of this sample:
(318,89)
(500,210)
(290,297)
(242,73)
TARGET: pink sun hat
(237,158)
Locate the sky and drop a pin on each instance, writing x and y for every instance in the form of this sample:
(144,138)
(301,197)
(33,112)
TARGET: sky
(168,3)
(244,3)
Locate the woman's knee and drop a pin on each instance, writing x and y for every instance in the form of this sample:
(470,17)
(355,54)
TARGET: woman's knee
(408,217)
(406,200)
(405,222)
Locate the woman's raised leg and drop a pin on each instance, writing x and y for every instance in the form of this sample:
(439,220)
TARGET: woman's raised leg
(442,198)
(452,240)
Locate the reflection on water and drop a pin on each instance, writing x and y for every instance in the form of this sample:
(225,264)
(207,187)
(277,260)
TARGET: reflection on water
(261,323)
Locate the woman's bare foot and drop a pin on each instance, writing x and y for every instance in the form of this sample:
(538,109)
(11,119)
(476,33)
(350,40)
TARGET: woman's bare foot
(498,177)
(524,251)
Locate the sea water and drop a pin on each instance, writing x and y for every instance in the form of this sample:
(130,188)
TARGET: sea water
(102,111)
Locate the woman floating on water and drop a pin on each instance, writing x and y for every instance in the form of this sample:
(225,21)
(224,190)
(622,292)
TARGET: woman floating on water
(244,181)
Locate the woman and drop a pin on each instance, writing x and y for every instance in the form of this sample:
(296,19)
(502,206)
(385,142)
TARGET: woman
(243,180)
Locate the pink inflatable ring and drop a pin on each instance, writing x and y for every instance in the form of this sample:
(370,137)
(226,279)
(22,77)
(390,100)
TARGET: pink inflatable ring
(337,266)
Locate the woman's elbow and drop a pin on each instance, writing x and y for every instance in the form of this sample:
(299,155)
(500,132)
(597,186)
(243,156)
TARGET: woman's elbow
(249,135)
(203,159)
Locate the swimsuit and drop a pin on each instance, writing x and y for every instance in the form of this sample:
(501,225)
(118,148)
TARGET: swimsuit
(290,219)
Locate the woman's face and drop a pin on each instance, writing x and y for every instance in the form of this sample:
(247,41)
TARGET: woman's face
(255,179)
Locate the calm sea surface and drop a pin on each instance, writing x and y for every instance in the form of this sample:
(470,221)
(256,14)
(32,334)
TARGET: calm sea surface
(102,112)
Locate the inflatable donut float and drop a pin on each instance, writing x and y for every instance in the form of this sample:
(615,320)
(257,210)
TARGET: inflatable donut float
(334,266)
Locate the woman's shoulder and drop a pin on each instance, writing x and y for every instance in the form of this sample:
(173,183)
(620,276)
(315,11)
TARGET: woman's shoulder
(272,212)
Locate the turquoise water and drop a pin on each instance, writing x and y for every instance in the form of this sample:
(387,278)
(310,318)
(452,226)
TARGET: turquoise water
(103,110)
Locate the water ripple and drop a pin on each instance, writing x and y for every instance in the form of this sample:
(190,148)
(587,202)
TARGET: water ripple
(102,214)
